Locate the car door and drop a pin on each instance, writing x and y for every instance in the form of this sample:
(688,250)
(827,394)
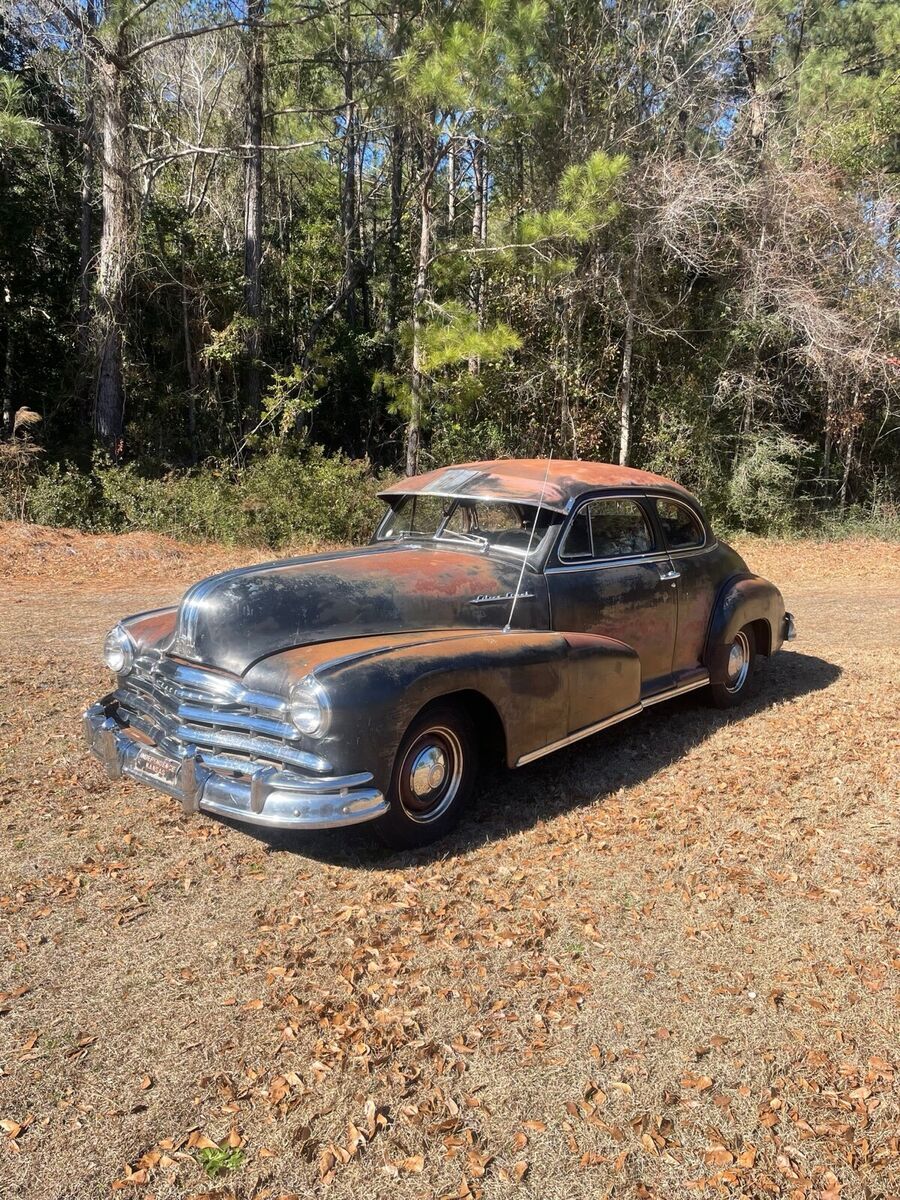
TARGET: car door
(689,544)
(610,576)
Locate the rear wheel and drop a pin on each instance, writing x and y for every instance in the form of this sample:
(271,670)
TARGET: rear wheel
(737,671)
(432,780)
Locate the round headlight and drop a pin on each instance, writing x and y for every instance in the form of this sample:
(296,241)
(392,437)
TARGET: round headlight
(310,709)
(118,651)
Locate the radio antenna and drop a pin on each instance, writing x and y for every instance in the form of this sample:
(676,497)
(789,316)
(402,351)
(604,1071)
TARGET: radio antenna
(537,514)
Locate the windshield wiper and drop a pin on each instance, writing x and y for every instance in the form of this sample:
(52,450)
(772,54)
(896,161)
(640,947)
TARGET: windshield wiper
(472,538)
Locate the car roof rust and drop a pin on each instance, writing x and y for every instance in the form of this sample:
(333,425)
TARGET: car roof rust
(523,479)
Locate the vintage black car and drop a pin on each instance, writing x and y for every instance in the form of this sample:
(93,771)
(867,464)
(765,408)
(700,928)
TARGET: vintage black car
(502,608)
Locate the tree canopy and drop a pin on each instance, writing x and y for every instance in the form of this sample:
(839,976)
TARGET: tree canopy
(445,229)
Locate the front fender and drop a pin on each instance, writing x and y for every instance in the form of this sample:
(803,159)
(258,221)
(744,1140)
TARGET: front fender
(152,630)
(742,600)
(543,685)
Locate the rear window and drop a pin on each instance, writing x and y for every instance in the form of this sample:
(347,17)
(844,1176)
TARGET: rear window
(608,529)
(680,526)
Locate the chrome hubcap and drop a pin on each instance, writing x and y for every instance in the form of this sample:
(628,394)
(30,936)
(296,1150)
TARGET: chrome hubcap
(431,774)
(429,770)
(738,662)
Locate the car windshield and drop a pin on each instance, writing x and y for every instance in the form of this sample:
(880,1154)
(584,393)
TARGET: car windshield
(487,524)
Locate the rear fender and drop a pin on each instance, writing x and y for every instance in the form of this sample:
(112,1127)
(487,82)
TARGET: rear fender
(743,600)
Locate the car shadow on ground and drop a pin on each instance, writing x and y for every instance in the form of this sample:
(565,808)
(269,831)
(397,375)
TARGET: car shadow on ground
(509,802)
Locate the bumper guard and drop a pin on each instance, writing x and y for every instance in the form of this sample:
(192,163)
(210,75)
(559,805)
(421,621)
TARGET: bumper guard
(275,799)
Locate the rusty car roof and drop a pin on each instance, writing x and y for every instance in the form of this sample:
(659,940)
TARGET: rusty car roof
(522,479)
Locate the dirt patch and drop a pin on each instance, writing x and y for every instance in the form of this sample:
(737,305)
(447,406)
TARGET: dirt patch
(663,963)
(40,553)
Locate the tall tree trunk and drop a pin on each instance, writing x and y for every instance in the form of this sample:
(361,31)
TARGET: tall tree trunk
(253,208)
(451,183)
(392,307)
(626,376)
(479,235)
(851,445)
(6,421)
(349,199)
(116,245)
(416,388)
(826,456)
(189,357)
(567,441)
(86,222)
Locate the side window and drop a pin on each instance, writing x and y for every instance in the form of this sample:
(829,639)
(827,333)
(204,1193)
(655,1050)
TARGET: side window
(681,527)
(608,529)
(619,529)
(578,539)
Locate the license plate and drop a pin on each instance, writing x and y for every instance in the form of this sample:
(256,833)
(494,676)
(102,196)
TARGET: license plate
(157,768)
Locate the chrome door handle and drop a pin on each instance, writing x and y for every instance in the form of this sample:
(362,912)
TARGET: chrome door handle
(673,574)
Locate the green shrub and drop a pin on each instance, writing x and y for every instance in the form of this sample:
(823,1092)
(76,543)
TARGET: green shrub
(274,501)
(63,495)
(184,506)
(282,499)
(762,488)
(331,498)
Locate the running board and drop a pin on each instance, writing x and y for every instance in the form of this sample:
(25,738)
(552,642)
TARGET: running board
(669,694)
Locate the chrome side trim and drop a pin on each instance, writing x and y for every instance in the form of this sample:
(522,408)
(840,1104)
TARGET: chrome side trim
(669,694)
(576,737)
(591,564)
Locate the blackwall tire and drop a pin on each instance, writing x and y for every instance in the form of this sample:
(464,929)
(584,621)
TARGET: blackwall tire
(738,671)
(432,780)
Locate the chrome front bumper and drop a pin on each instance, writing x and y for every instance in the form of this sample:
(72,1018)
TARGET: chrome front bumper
(276,799)
(789,632)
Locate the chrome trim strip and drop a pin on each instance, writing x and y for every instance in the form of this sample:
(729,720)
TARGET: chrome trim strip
(591,564)
(174,680)
(576,737)
(669,694)
(242,721)
(694,553)
(272,751)
(167,708)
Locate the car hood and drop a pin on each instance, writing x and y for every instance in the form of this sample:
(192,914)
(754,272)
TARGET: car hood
(232,620)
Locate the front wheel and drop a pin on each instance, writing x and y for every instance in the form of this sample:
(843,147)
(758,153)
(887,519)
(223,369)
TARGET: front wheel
(739,663)
(432,780)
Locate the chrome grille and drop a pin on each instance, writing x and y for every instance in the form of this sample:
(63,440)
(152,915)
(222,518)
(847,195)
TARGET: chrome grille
(235,729)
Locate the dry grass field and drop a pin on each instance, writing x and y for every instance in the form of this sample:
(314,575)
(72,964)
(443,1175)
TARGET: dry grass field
(663,963)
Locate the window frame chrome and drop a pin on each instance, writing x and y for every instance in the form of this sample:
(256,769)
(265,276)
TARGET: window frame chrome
(558,563)
(655,497)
